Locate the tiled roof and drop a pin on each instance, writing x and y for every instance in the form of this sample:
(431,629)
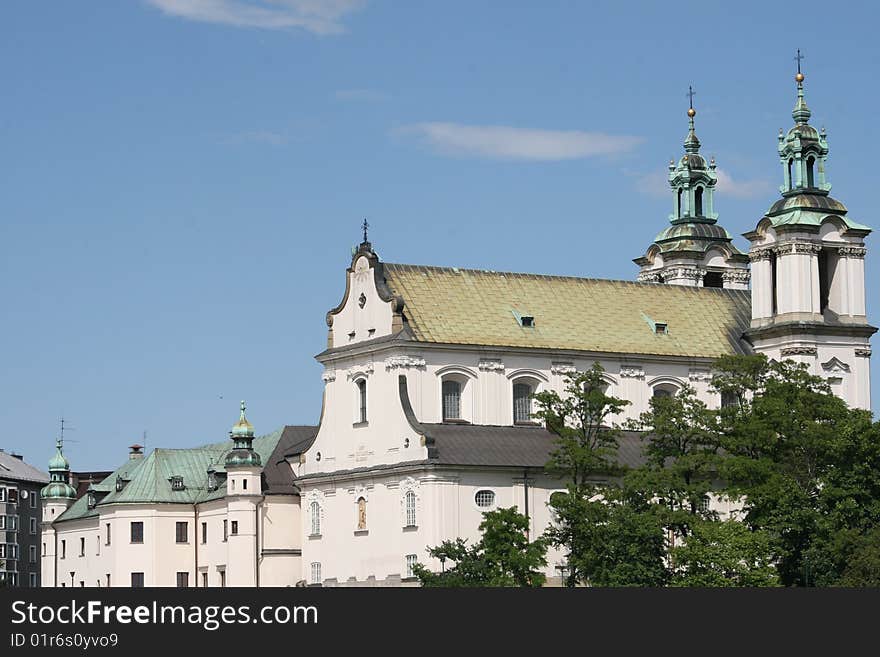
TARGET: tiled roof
(12,467)
(475,307)
(506,446)
(148,478)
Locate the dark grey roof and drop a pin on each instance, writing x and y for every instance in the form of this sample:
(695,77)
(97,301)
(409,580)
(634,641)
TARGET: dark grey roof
(278,474)
(12,467)
(511,446)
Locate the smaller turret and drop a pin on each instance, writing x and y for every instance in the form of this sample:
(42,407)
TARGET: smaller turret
(58,487)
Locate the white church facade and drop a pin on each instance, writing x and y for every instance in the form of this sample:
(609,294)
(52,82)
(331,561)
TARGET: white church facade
(428,376)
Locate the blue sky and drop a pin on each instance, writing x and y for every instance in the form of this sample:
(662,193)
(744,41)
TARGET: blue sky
(181,181)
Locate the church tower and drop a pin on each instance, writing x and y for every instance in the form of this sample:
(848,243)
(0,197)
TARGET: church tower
(694,250)
(808,269)
(57,496)
(243,494)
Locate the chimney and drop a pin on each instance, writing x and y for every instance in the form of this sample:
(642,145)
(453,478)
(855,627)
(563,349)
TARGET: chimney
(135,452)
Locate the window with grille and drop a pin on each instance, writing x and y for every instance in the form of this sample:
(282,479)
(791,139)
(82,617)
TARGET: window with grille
(137,580)
(729,399)
(137,532)
(410,509)
(522,402)
(315,511)
(411,561)
(181,531)
(316,572)
(704,504)
(451,400)
(484,498)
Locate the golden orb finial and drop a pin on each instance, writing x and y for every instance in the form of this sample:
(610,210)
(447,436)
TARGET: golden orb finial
(692,112)
(799,77)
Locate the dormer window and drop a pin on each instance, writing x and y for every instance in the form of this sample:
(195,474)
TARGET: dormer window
(212,479)
(177,482)
(120,483)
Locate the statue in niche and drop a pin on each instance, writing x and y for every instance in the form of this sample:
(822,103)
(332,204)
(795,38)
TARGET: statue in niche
(362,513)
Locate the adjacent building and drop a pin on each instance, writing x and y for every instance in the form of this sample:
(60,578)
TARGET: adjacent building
(20,508)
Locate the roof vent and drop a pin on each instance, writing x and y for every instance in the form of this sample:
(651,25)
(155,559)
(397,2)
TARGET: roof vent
(120,483)
(527,321)
(660,328)
(176,482)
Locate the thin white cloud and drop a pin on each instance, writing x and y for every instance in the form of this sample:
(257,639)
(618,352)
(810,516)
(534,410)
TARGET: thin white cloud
(656,184)
(256,137)
(743,189)
(509,143)
(317,16)
(361,95)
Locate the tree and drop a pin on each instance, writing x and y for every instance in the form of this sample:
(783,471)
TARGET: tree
(806,467)
(504,556)
(585,449)
(724,553)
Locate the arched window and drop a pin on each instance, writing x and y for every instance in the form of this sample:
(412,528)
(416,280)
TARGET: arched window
(451,400)
(664,390)
(362,513)
(315,511)
(774,297)
(362,400)
(811,162)
(790,179)
(698,202)
(410,504)
(522,402)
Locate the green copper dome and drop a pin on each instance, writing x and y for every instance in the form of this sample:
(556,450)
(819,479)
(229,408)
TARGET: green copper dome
(58,488)
(242,454)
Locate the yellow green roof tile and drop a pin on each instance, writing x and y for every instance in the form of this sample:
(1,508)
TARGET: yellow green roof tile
(476,307)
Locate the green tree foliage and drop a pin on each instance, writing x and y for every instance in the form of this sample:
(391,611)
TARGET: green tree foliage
(726,553)
(504,556)
(806,467)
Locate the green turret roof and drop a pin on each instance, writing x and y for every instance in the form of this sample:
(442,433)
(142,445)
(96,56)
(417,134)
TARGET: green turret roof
(59,469)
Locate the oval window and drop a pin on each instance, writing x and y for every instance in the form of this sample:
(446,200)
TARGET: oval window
(484,498)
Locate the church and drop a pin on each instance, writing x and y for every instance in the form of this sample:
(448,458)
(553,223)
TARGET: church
(429,374)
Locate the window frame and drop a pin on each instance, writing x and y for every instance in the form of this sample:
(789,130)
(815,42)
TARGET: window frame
(138,580)
(178,534)
(315,518)
(315,574)
(140,525)
(487,507)
(410,510)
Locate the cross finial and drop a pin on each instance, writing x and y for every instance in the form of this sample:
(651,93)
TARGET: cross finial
(691,93)
(799,57)
(366,225)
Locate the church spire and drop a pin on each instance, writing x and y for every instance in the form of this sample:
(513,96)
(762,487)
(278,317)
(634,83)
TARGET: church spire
(691,143)
(801,113)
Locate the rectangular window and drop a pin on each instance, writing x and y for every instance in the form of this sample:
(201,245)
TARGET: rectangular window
(63,548)
(204,580)
(82,546)
(362,396)
(234,527)
(107,579)
(182,580)
(181,531)
(411,561)
(410,509)
(33,526)
(704,504)
(204,532)
(34,500)
(316,572)
(2,494)
(225,530)
(82,584)
(32,553)
(44,549)
(137,580)
(107,540)
(2,522)
(222,579)
(12,523)
(2,551)
(137,533)
(522,402)
(13,495)
(451,400)
(13,551)
(33,580)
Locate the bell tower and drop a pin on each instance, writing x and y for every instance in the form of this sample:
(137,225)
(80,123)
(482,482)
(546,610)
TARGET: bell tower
(695,250)
(808,269)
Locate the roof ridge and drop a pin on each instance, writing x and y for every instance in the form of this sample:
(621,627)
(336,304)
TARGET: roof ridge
(551,276)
